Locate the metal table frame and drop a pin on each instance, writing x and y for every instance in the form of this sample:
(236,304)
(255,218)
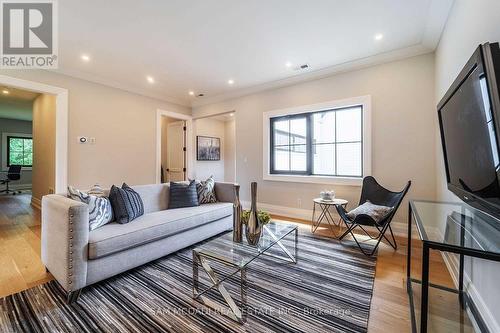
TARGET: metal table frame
(325,215)
(426,247)
(234,312)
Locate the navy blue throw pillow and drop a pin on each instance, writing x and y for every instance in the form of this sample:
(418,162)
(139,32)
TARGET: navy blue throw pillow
(127,203)
(183,195)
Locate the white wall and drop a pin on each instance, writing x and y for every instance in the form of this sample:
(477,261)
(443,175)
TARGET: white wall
(214,128)
(470,23)
(44,142)
(403,137)
(230,151)
(15,126)
(123,123)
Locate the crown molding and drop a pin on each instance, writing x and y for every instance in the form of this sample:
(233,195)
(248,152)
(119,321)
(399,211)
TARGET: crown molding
(118,85)
(349,66)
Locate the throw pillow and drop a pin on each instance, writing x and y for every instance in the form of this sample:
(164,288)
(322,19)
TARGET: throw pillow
(376,212)
(206,191)
(127,203)
(100,210)
(182,195)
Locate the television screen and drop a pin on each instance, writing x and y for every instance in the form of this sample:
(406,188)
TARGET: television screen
(469,133)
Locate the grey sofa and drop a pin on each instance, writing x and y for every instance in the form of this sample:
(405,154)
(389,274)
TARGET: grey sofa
(77,257)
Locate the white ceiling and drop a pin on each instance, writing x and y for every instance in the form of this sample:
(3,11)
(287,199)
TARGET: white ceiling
(17,104)
(199,44)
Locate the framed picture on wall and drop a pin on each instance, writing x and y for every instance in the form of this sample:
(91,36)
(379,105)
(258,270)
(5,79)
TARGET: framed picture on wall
(207,148)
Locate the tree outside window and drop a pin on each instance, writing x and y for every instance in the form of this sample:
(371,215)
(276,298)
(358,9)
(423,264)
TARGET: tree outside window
(19,151)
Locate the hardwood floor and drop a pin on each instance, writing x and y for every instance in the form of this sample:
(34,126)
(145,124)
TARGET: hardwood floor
(21,268)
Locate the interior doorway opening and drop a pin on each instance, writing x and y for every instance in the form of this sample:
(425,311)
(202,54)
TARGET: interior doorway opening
(173,150)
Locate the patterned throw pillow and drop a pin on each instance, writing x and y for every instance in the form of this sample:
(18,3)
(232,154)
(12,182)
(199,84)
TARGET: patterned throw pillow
(376,212)
(182,195)
(127,203)
(100,211)
(206,191)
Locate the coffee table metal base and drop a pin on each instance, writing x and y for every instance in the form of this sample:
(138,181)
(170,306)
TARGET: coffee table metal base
(232,310)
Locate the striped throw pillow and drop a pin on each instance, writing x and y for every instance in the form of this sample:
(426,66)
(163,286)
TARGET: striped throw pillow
(182,195)
(100,211)
(127,203)
(206,191)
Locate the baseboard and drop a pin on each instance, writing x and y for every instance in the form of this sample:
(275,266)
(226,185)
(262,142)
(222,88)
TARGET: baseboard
(20,187)
(36,203)
(399,228)
(452,263)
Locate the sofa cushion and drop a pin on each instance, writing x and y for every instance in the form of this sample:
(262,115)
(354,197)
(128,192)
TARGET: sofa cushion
(114,237)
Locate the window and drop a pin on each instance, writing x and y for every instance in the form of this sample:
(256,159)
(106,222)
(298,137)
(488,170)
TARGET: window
(19,151)
(326,143)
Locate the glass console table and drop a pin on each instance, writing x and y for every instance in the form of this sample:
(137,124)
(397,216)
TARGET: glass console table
(449,227)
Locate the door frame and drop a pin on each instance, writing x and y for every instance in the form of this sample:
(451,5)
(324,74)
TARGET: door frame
(189,141)
(61,151)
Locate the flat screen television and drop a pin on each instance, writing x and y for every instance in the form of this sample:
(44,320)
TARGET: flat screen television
(469,120)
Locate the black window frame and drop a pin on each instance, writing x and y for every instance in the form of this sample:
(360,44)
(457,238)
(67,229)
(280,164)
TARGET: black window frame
(309,144)
(9,137)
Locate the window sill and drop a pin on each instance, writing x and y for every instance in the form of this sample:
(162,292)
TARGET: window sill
(348,181)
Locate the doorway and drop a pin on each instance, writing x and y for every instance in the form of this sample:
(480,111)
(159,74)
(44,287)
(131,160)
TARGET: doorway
(174,146)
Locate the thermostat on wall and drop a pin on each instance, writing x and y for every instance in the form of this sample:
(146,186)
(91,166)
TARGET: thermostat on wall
(82,139)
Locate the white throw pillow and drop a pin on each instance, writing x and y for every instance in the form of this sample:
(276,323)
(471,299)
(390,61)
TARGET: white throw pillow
(376,212)
(100,210)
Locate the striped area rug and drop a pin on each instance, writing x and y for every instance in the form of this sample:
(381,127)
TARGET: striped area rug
(328,290)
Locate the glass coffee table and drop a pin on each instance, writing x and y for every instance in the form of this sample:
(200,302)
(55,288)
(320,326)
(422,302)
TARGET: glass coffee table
(237,256)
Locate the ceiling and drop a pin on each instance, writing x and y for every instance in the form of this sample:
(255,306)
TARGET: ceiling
(198,45)
(17,104)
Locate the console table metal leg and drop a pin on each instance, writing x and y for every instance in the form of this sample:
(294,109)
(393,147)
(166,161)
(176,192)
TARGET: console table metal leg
(408,256)
(461,281)
(424,307)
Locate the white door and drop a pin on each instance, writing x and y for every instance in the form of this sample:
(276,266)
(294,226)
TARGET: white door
(176,152)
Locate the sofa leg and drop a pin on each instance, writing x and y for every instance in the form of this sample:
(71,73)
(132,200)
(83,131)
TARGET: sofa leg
(46,270)
(72,296)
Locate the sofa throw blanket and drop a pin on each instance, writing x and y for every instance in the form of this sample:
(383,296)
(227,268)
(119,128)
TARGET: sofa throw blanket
(206,191)
(127,203)
(100,210)
(182,195)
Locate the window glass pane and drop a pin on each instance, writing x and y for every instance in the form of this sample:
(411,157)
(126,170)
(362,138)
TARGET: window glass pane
(349,125)
(16,144)
(298,131)
(28,159)
(282,158)
(324,127)
(281,132)
(349,159)
(324,159)
(28,145)
(298,158)
(15,158)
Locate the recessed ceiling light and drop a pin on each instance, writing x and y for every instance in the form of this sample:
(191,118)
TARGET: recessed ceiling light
(5,92)
(150,79)
(379,37)
(231,114)
(288,64)
(85,57)
(230,81)
(191,93)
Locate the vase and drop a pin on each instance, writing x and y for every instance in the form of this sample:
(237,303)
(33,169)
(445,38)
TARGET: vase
(253,227)
(237,222)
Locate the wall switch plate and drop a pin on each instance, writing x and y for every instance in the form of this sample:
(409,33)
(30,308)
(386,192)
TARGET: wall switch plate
(83,139)
(92,141)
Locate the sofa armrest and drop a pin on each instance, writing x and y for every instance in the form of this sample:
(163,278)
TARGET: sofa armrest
(65,237)
(225,192)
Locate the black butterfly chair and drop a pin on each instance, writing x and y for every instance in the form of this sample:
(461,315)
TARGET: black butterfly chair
(378,195)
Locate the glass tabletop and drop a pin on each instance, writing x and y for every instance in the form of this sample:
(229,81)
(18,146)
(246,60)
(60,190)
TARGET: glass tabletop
(456,224)
(241,254)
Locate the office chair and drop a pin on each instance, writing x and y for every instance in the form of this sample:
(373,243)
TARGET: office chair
(13,174)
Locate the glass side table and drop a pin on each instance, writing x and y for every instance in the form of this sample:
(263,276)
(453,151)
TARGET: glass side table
(449,227)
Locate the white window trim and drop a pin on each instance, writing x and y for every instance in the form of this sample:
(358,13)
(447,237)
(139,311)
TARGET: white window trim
(4,148)
(365,101)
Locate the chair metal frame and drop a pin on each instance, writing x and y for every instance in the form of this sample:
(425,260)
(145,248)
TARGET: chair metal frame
(14,170)
(375,193)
